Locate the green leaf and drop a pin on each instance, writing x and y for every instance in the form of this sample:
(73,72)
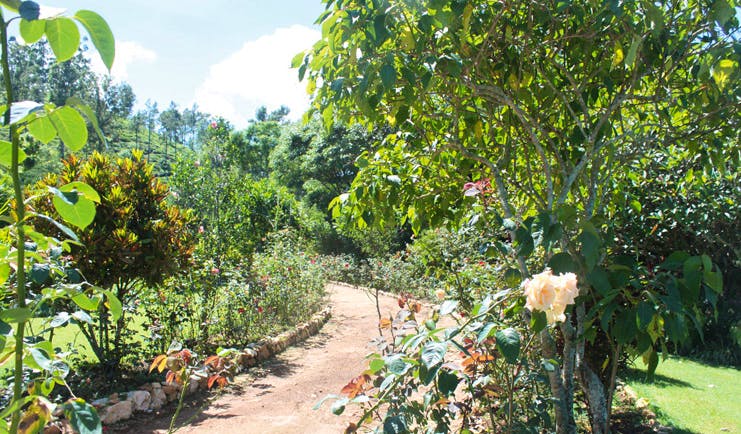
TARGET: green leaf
(396,365)
(114,305)
(508,343)
(101,35)
(625,328)
(42,129)
(447,382)
(376,365)
(13,5)
(6,149)
(538,321)
(388,76)
(297,60)
(70,126)
(40,273)
(32,31)
(394,425)
(67,231)
(723,71)
(29,10)
(653,363)
(448,306)
(433,353)
(562,263)
(485,332)
(15,315)
(600,280)
(83,108)
(590,248)
(63,37)
(645,312)
(524,242)
(674,261)
(82,189)
(82,416)
(85,302)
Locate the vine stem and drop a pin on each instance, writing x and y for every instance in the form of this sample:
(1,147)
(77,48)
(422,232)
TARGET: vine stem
(20,239)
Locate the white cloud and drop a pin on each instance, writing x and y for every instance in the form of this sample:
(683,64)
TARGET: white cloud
(127,52)
(258,74)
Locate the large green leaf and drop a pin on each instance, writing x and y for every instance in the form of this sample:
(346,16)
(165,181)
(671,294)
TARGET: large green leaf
(508,343)
(32,31)
(6,149)
(82,416)
(15,315)
(70,126)
(42,129)
(433,353)
(394,425)
(75,207)
(101,35)
(625,328)
(562,263)
(63,37)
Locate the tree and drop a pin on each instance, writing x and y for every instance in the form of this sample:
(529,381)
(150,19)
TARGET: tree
(135,241)
(112,101)
(152,114)
(171,125)
(550,103)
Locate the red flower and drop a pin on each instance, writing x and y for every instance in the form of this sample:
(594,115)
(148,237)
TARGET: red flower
(240,310)
(259,309)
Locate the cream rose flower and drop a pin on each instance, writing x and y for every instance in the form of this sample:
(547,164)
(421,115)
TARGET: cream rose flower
(540,291)
(440,294)
(551,294)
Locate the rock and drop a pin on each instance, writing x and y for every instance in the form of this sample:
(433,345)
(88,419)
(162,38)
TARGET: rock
(171,391)
(263,352)
(140,399)
(98,403)
(642,404)
(194,384)
(159,398)
(114,398)
(116,412)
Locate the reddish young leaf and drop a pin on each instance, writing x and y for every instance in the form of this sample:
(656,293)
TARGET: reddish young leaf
(355,386)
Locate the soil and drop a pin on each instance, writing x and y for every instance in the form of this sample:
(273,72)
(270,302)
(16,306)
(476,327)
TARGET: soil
(279,397)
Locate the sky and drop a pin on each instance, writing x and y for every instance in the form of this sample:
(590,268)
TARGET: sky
(227,56)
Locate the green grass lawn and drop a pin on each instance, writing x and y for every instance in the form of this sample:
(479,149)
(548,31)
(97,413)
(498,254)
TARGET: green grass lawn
(691,397)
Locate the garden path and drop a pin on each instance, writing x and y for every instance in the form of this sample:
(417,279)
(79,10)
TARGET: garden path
(280,399)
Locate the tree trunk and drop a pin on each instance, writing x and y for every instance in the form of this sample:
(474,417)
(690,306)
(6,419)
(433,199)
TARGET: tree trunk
(564,404)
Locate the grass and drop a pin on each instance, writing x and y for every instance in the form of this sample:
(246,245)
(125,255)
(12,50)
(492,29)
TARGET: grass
(691,397)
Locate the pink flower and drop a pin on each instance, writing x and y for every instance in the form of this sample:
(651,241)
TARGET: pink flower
(200,229)
(214,125)
(197,163)
(312,262)
(215,271)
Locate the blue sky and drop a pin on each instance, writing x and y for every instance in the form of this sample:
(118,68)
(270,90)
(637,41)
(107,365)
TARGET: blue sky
(229,57)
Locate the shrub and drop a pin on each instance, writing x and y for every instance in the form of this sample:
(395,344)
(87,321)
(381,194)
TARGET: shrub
(134,242)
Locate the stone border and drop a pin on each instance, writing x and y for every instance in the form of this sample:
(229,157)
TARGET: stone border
(630,397)
(153,396)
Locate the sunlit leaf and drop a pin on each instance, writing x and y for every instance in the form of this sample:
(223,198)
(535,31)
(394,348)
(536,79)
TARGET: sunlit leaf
(101,35)
(63,37)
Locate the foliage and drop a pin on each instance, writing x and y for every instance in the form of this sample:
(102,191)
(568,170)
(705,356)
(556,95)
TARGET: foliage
(182,365)
(470,372)
(29,257)
(134,242)
(523,120)
(233,305)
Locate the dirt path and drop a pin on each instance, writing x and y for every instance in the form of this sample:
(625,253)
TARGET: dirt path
(281,400)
